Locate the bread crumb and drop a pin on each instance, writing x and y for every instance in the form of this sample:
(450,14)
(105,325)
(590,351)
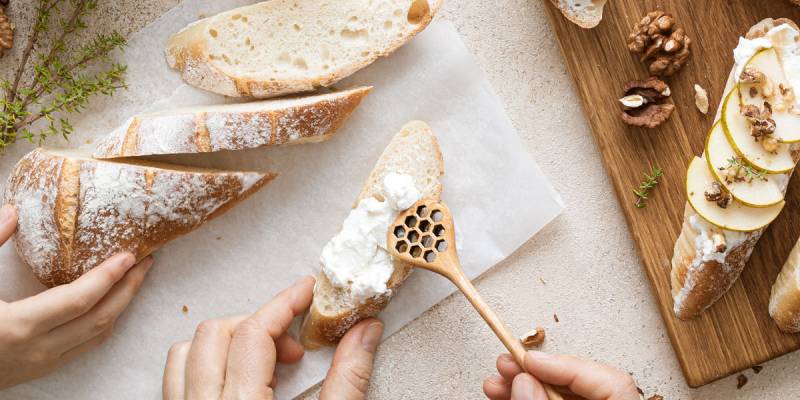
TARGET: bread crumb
(542,280)
(656,397)
(185,309)
(534,338)
(219,237)
(741,380)
(757,368)
(555,317)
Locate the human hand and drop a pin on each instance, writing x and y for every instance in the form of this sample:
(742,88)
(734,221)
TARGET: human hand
(235,357)
(585,379)
(42,332)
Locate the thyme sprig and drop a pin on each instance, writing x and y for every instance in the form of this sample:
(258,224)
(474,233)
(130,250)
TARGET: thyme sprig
(750,173)
(650,181)
(62,77)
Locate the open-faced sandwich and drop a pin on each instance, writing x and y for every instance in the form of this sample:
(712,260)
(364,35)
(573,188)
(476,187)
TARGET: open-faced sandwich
(358,276)
(736,188)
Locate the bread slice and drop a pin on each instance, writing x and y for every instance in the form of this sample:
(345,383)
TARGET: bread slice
(74,211)
(413,151)
(234,126)
(287,46)
(697,283)
(584,13)
(784,302)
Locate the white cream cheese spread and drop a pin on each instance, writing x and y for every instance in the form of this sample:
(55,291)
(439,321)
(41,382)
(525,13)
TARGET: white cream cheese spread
(786,42)
(706,250)
(357,258)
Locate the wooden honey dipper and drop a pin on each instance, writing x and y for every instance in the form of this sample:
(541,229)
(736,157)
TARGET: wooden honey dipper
(424,236)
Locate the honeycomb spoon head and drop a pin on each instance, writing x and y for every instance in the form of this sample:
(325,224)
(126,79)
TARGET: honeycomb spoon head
(423,236)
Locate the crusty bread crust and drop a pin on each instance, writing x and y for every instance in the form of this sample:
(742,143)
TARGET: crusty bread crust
(586,19)
(233,127)
(696,285)
(187,52)
(325,329)
(74,212)
(784,301)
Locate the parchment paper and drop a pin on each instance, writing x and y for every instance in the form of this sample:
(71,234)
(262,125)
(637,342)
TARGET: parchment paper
(234,264)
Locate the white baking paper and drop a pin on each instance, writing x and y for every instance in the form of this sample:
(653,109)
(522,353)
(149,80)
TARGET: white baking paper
(235,263)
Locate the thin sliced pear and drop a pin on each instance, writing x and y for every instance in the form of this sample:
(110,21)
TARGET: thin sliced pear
(737,216)
(787,125)
(753,191)
(737,130)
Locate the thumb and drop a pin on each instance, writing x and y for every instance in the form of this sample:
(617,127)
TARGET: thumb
(348,378)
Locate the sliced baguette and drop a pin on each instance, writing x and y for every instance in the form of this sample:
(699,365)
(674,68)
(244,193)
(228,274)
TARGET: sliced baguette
(584,13)
(698,283)
(784,302)
(287,46)
(74,211)
(413,151)
(233,127)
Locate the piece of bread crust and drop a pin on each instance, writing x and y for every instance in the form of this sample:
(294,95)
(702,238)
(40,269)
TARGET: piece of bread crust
(75,212)
(414,151)
(695,287)
(586,16)
(784,301)
(202,129)
(263,50)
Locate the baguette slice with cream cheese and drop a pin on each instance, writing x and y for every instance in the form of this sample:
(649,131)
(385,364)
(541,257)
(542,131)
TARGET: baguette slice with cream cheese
(233,126)
(75,211)
(700,274)
(287,46)
(414,152)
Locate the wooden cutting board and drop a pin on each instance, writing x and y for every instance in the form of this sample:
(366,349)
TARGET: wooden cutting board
(737,332)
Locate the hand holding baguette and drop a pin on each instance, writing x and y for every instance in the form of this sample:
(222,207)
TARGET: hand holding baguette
(48,330)
(235,357)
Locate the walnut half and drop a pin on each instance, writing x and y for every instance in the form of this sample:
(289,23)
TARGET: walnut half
(6,32)
(643,103)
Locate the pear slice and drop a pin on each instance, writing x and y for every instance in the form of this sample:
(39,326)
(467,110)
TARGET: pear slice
(787,124)
(755,188)
(737,129)
(737,216)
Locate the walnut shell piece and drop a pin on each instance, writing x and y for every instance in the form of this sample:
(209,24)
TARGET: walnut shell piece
(534,338)
(652,111)
(6,32)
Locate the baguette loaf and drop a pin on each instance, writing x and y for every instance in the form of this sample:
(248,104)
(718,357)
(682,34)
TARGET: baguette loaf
(584,13)
(413,151)
(233,127)
(784,302)
(74,212)
(287,46)
(699,279)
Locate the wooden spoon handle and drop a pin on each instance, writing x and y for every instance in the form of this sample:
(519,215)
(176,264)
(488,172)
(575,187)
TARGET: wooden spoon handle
(509,340)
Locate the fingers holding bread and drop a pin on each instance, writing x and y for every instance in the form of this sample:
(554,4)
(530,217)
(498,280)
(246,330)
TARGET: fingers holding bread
(75,211)
(412,163)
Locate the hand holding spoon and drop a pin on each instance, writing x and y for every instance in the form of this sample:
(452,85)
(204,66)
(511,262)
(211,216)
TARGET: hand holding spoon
(424,236)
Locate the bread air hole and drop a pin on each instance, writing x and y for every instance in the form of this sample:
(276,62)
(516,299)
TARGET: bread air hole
(352,35)
(300,63)
(418,11)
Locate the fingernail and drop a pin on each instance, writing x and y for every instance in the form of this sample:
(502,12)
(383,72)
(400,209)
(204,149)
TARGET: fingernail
(303,280)
(125,260)
(372,336)
(6,213)
(147,263)
(539,355)
(522,388)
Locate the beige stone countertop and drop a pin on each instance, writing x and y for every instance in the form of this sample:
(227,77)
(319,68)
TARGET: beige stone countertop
(582,267)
